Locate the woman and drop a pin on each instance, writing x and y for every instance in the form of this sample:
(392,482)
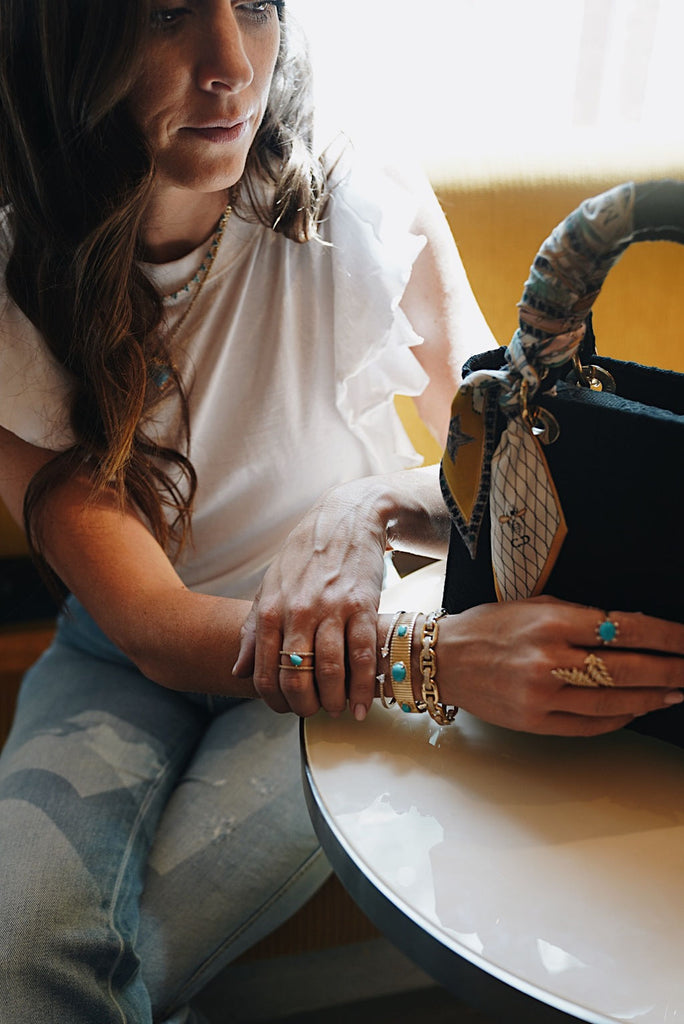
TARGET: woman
(202,331)
(177,268)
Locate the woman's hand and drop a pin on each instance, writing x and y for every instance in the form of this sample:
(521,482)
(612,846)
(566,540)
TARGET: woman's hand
(321,595)
(497,661)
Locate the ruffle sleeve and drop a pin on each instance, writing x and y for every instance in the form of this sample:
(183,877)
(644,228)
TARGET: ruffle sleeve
(34,388)
(369,226)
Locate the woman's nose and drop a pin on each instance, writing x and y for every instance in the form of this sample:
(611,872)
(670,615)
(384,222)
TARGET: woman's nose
(223,62)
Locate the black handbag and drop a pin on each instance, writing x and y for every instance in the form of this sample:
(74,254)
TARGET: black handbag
(608,436)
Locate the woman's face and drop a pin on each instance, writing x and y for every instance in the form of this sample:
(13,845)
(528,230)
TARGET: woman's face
(199,100)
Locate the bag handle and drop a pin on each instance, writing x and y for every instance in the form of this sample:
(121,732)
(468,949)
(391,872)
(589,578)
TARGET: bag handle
(568,273)
(659,211)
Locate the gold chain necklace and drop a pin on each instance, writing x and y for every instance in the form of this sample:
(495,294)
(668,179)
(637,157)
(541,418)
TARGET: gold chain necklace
(162,374)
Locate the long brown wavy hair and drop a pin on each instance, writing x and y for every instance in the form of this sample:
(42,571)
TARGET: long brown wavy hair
(76,176)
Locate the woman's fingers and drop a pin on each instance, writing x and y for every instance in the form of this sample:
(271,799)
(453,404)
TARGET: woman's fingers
(543,666)
(330,666)
(583,626)
(296,675)
(632,630)
(268,639)
(616,683)
(620,668)
(338,657)
(610,702)
(362,648)
(344,665)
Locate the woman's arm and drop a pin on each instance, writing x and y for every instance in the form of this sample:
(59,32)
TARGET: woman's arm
(322,591)
(110,561)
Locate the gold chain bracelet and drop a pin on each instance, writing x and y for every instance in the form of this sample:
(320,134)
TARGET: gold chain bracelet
(443,714)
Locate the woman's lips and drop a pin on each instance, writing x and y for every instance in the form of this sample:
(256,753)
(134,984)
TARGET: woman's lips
(219,132)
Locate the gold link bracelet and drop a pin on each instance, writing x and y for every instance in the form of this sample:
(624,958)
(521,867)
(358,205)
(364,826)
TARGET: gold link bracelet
(441,713)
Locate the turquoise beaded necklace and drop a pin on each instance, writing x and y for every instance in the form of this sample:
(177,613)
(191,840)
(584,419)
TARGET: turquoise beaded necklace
(161,374)
(202,273)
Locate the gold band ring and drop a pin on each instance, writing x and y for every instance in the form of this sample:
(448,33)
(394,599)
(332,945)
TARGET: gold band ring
(295,660)
(594,673)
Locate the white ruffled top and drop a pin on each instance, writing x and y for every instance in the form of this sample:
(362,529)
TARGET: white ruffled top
(291,357)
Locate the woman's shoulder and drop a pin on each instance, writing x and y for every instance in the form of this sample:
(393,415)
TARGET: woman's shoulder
(386,192)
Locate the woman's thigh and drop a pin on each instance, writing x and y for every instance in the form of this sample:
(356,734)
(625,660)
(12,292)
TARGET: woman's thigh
(100,762)
(234,855)
(93,755)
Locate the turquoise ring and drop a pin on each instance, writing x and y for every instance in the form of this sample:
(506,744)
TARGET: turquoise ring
(608,630)
(295,660)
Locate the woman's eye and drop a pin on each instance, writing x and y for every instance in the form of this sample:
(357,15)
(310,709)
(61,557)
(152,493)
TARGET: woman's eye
(261,11)
(167,17)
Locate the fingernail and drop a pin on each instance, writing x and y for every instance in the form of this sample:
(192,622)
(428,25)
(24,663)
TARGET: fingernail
(675,697)
(334,714)
(360,712)
(233,671)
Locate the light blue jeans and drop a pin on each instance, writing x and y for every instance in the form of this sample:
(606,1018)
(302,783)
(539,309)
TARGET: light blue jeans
(147,838)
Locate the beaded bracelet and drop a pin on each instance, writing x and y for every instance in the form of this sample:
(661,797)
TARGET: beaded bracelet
(441,713)
(400,666)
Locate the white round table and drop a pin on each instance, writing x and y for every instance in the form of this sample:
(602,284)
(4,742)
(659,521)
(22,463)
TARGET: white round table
(541,879)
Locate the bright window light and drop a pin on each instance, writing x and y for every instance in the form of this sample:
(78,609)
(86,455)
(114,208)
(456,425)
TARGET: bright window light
(485,88)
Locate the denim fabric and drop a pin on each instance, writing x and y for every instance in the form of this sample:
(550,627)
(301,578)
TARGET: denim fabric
(147,838)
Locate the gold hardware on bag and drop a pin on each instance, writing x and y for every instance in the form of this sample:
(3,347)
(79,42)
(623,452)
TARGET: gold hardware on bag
(539,421)
(590,376)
